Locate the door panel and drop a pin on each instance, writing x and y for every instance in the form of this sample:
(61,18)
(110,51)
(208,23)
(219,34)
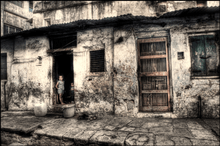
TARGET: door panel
(153,75)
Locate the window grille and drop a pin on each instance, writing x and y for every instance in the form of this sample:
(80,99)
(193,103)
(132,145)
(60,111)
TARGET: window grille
(97,61)
(3,66)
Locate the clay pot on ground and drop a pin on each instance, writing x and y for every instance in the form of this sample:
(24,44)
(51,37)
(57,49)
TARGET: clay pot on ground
(40,109)
(69,110)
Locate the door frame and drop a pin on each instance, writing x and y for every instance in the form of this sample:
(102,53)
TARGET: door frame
(161,39)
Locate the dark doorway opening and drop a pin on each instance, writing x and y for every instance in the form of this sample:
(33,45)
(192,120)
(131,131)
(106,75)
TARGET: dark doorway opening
(64,66)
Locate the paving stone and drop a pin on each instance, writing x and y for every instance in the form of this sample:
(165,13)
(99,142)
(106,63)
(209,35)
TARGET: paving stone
(203,134)
(109,128)
(163,140)
(146,139)
(216,129)
(17,144)
(109,137)
(180,125)
(202,142)
(212,122)
(182,132)
(143,130)
(129,129)
(162,130)
(83,137)
(72,132)
(95,125)
(136,123)
(181,141)
(194,125)
(119,121)
(156,124)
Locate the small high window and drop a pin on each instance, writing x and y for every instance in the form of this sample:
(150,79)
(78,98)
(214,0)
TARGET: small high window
(18,3)
(204,54)
(97,61)
(10,29)
(3,66)
(30,6)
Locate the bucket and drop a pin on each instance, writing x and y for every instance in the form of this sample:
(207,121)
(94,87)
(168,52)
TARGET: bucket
(69,111)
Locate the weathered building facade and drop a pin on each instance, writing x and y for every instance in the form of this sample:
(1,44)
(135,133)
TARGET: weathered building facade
(150,66)
(16,16)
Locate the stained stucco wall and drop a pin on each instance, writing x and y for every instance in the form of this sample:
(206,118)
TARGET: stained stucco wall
(16,16)
(6,47)
(28,82)
(125,72)
(68,11)
(95,90)
(186,90)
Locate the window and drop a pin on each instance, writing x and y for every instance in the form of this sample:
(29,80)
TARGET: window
(97,61)
(201,3)
(30,6)
(204,56)
(3,66)
(46,22)
(18,3)
(63,42)
(9,29)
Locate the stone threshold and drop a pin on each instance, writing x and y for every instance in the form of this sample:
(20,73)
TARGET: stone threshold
(156,115)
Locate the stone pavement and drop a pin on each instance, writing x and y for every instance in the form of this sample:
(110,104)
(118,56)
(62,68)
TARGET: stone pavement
(24,128)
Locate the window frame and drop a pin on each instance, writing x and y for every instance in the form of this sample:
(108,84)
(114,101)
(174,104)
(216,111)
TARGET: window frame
(214,33)
(9,26)
(97,73)
(5,55)
(46,22)
(31,8)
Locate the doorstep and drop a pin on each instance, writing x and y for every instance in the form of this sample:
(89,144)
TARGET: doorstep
(156,115)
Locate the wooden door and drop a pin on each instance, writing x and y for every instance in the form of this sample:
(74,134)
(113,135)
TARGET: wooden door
(153,75)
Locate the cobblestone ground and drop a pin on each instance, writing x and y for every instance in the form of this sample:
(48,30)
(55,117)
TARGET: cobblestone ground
(18,129)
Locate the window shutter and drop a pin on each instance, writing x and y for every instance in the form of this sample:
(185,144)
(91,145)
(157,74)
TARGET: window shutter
(198,53)
(3,66)
(211,55)
(97,61)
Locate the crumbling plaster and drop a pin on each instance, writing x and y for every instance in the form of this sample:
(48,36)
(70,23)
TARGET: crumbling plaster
(28,83)
(68,11)
(95,89)
(186,90)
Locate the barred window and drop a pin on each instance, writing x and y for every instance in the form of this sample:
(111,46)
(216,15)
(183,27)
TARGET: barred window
(97,61)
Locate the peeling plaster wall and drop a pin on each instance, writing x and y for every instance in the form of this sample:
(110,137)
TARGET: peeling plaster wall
(95,90)
(28,83)
(125,72)
(6,47)
(68,11)
(185,90)
(16,16)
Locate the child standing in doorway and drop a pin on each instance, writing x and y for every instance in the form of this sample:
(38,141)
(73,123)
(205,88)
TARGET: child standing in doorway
(72,92)
(60,88)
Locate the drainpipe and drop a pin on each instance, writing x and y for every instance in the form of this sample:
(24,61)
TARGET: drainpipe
(199,107)
(112,72)
(6,106)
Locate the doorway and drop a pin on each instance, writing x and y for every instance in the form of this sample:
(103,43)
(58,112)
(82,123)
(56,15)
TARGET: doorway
(153,75)
(64,66)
